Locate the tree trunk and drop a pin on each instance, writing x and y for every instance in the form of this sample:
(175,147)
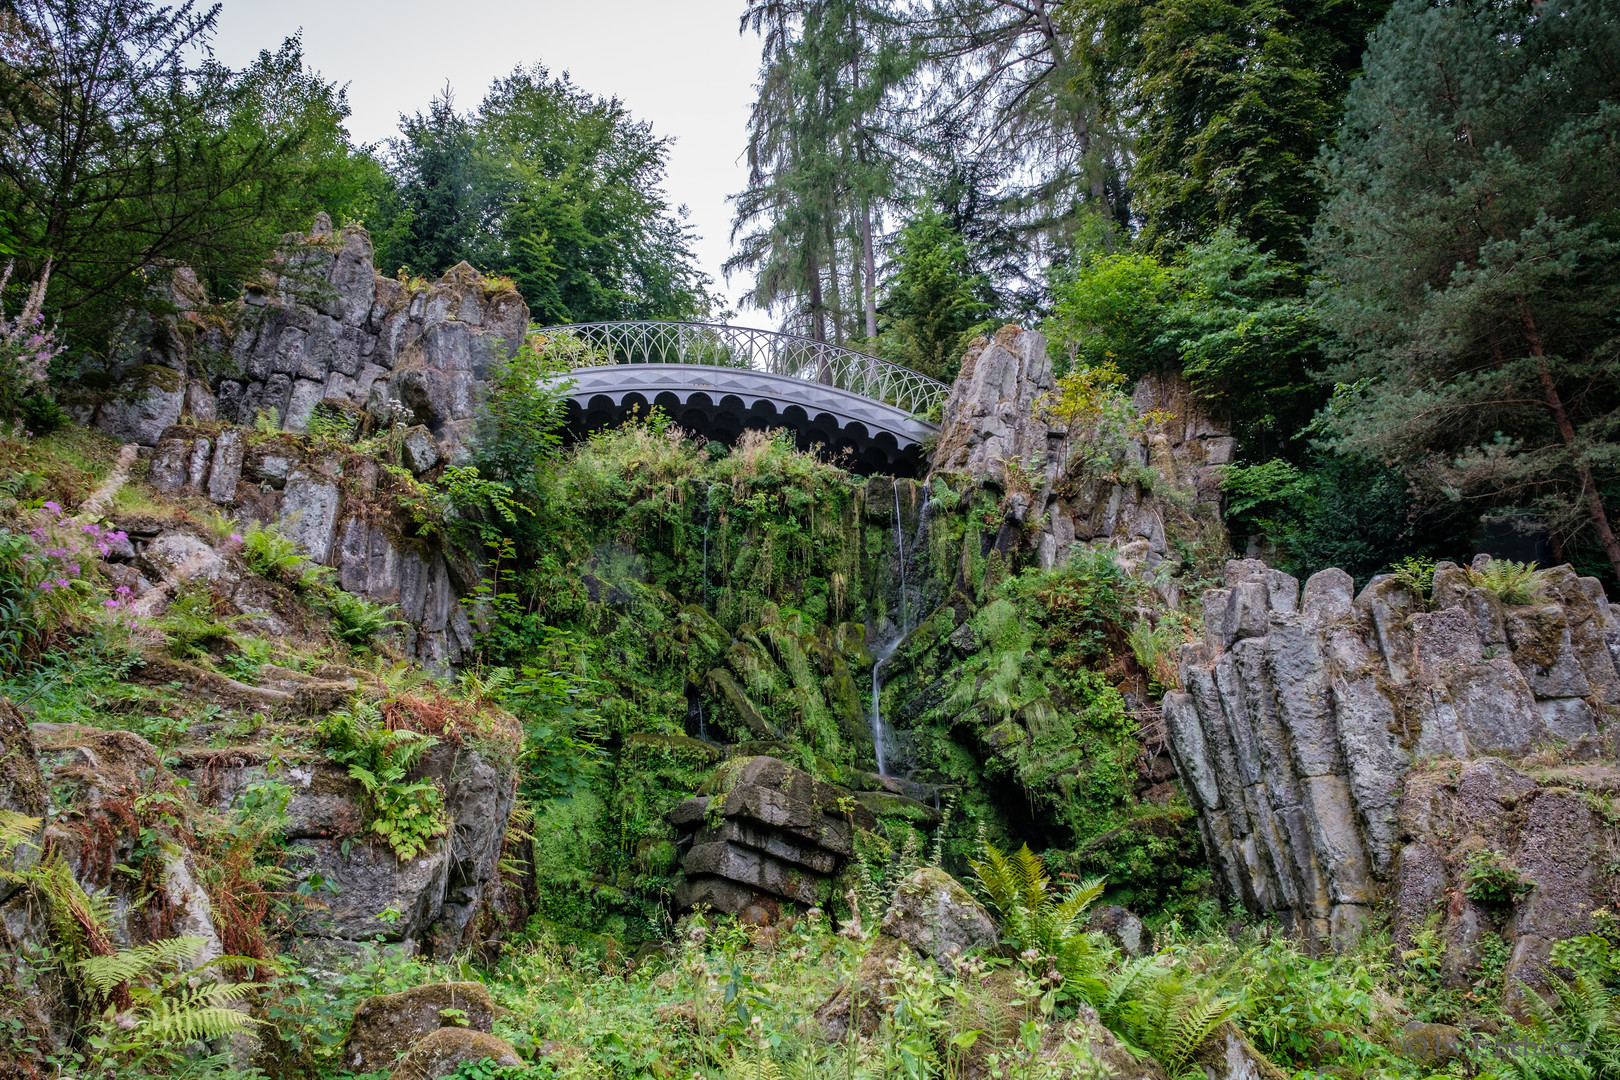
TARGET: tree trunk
(1566,432)
(871,270)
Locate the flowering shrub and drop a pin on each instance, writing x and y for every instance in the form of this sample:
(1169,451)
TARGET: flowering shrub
(26,351)
(42,579)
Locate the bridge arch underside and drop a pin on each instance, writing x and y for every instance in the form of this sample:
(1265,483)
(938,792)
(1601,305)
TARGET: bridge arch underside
(719,404)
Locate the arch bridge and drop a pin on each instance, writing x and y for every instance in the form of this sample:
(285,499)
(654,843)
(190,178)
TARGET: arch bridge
(720,380)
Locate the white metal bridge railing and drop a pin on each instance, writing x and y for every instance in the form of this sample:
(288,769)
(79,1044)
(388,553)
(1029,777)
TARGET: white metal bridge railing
(600,344)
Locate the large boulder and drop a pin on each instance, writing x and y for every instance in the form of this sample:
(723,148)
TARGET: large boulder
(935,915)
(388,1025)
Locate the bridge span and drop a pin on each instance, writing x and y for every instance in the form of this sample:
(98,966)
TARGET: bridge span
(720,380)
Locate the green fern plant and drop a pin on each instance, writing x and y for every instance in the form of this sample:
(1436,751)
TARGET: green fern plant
(356,620)
(156,1007)
(406,813)
(193,628)
(1033,914)
(1512,582)
(1171,1018)
(272,555)
(1577,1032)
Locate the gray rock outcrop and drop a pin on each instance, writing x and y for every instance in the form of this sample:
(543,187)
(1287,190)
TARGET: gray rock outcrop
(997,428)
(763,828)
(320,325)
(1347,749)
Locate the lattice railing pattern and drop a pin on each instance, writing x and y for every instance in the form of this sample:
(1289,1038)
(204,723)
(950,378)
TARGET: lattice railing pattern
(717,345)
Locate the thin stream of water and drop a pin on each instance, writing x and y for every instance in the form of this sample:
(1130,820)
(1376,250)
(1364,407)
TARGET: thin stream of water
(880,730)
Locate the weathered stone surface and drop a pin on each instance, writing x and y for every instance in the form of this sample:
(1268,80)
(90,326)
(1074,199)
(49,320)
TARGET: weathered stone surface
(935,915)
(386,1026)
(421,452)
(441,1052)
(143,413)
(1305,748)
(167,471)
(22,791)
(1123,927)
(749,867)
(309,508)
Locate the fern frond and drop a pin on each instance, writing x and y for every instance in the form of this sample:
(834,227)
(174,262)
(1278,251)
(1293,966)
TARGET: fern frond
(1033,881)
(106,973)
(17,828)
(185,1021)
(1194,1019)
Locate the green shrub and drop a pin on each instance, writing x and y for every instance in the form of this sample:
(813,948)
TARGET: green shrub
(1488,878)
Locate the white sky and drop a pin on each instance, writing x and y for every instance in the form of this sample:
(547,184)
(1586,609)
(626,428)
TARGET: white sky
(678,63)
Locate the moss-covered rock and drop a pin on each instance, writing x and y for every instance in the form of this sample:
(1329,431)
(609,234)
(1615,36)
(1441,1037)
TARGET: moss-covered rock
(441,1052)
(388,1025)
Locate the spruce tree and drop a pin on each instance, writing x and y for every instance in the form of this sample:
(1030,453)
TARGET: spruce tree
(1471,261)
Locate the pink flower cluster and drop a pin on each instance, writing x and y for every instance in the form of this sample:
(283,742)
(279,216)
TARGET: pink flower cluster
(30,348)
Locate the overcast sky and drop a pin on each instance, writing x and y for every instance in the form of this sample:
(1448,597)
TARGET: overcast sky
(679,63)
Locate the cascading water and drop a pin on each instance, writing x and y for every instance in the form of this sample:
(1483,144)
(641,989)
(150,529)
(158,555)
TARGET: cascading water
(882,737)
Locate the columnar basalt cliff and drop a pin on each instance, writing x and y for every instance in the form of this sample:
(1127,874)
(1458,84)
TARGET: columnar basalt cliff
(320,325)
(994,431)
(1345,750)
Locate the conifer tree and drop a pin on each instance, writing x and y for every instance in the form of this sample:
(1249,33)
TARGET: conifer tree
(1472,264)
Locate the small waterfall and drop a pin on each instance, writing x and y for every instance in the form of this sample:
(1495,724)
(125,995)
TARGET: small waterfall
(882,737)
(708,516)
(900,554)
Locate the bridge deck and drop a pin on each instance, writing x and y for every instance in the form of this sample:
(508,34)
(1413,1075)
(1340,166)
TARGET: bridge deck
(720,381)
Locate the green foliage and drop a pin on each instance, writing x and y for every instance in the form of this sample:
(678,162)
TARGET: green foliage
(1170,1018)
(404,812)
(520,424)
(93,185)
(1236,98)
(168,1008)
(271,554)
(1087,603)
(1417,574)
(22,618)
(1512,582)
(1033,914)
(557,189)
(357,621)
(935,302)
(1482,361)
(193,625)
(1489,878)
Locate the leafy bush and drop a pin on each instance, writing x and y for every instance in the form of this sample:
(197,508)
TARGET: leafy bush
(1417,574)
(1488,878)
(406,813)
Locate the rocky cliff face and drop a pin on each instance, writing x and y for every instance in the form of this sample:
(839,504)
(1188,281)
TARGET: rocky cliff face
(321,325)
(1346,749)
(994,431)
